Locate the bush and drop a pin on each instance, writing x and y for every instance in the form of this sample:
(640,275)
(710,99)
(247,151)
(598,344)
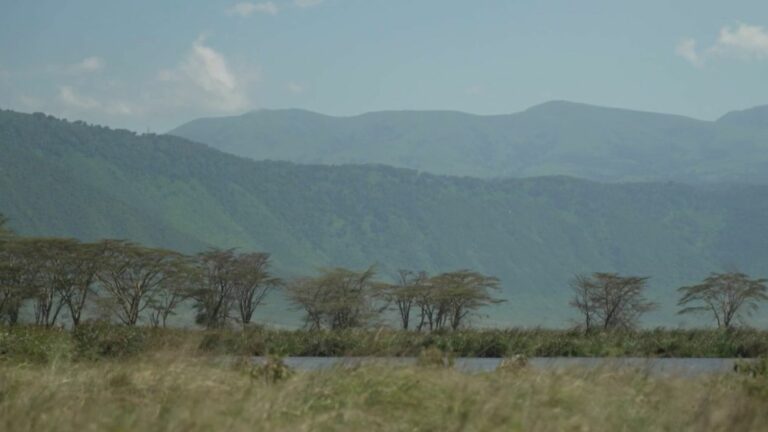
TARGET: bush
(94,340)
(34,345)
(434,357)
(513,364)
(272,370)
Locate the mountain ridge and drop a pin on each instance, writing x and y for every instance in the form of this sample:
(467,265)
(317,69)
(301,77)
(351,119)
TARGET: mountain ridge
(554,138)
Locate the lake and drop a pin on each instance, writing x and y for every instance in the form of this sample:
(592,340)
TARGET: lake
(654,366)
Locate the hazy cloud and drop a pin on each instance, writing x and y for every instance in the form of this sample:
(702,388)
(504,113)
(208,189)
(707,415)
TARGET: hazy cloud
(204,78)
(746,42)
(306,3)
(72,99)
(245,9)
(295,88)
(687,50)
(87,65)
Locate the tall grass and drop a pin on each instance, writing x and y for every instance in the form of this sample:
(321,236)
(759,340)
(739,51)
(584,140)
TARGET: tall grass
(162,391)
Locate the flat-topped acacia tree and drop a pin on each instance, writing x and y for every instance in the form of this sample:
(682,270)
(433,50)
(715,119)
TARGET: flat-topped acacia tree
(609,301)
(231,285)
(336,299)
(729,297)
(449,298)
(132,276)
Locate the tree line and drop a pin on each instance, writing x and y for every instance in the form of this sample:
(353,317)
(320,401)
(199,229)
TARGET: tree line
(126,282)
(608,301)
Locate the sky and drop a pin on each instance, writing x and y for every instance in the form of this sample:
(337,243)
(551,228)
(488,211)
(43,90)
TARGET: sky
(153,65)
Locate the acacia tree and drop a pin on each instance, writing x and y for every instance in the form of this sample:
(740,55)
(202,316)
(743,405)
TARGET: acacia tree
(59,264)
(252,283)
(178,287)
(447,299)
(213,296)
(231,283)
(461,293)
(610,301)
(20,276)
(583,289)
(87,261)
(307,294)
(727,296)
(132,275)
(338,298)
(404,293)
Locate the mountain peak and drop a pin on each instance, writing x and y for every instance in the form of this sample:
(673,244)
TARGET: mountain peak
(756,117)
(559,105)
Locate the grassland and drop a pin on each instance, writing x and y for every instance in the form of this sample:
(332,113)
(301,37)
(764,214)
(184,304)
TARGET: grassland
(167,391)
(106,378)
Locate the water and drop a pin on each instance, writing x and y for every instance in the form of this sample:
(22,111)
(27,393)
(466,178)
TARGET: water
(652,366)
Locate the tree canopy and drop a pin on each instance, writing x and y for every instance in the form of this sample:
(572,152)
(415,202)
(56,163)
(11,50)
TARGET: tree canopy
(728,297)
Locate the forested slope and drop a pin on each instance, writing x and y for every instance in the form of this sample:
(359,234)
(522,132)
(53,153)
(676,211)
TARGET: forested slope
(73,179)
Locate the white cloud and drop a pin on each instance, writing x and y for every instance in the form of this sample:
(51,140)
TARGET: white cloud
(687,50)
(746,42)
(245,9)
(306,3)
(204,79)
(295,88)
(202,82)
(87,65)
(71,99)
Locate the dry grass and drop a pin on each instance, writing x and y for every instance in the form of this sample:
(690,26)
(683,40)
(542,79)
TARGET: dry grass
(165,392)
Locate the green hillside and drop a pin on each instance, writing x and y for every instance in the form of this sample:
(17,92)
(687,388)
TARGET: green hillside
(73,179)
(555,138)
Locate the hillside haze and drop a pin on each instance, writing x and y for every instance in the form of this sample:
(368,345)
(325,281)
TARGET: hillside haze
(73,179)
(555,138)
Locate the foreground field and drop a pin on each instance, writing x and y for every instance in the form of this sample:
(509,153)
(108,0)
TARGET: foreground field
(166,392)
(114,378)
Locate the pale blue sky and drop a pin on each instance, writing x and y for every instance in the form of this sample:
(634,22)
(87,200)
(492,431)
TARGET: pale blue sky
(155,64)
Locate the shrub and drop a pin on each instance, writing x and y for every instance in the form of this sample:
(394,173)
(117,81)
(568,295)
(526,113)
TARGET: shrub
(513,364)
(34,345)
(272,370)
(434,357)
(95,340)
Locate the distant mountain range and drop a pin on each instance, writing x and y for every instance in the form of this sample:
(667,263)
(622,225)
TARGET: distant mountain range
(555,138)
(73,179)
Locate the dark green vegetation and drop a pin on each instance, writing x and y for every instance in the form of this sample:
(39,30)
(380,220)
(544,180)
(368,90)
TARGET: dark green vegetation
(556,138)
(94,340)
(71,179)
